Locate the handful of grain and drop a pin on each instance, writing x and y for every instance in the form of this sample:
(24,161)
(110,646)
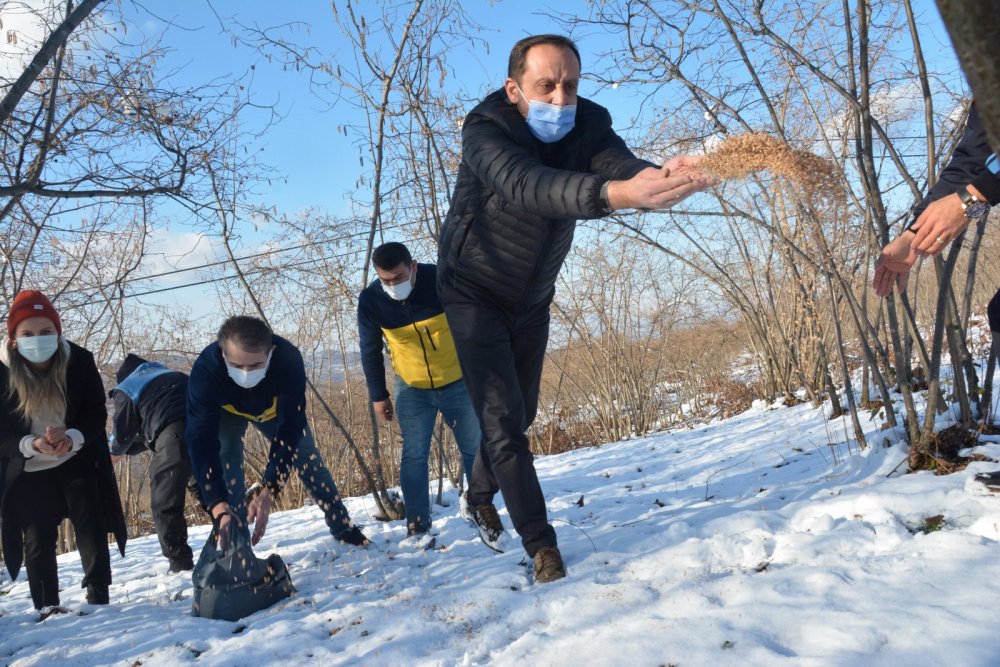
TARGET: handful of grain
(817,177)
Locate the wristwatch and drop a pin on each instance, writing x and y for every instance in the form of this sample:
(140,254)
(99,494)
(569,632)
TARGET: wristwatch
(973,207)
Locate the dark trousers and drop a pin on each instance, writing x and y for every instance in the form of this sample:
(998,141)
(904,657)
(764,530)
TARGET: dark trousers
(501,354)
(993,312)
(42,500)
(169,473)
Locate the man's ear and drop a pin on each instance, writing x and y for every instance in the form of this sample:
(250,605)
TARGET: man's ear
(510,86)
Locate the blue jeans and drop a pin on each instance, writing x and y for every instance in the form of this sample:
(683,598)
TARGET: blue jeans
(416,410)
(306,460)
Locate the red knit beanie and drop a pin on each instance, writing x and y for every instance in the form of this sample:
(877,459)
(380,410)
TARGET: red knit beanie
(28,304)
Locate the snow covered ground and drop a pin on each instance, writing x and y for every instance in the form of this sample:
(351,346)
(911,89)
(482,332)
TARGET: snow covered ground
(751,541)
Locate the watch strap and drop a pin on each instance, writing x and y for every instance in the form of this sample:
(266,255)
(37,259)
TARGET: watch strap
(967,197)
(972,207)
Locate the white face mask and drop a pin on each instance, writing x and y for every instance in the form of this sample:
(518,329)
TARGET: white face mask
(402,290)
(248,379)
(38,349)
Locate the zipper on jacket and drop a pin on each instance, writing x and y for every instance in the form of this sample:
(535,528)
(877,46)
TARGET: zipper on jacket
(423,348)
(431,340)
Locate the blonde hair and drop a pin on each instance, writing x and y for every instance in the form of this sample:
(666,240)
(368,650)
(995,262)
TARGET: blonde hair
(37,392)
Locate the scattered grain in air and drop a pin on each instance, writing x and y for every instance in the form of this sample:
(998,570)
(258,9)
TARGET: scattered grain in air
(817,178)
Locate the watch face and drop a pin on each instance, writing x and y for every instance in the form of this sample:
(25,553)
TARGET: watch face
(976,209)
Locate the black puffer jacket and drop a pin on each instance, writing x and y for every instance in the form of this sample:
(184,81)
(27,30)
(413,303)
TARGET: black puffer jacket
(517,199)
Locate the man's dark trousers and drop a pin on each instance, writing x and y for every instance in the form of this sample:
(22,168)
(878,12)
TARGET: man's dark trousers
(169,473)
(501,352)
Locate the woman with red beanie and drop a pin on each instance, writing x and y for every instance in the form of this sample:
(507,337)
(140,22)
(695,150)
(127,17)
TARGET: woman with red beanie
(54,460)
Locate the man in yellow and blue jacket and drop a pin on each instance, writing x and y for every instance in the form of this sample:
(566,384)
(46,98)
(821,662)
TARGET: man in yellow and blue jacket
(402,307)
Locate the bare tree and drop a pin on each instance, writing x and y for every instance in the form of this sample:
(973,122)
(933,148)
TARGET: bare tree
(813,75)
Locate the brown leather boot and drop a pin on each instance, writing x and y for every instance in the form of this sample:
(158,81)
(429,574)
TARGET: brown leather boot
(548,565)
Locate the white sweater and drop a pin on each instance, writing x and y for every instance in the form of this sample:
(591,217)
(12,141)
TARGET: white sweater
(36,460)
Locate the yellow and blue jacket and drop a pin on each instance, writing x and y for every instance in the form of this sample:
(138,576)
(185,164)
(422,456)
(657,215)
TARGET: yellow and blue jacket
(415,332)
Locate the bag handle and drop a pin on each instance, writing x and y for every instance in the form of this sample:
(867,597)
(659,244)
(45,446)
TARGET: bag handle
(239,535)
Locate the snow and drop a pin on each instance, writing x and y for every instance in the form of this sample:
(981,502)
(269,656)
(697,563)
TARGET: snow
(756,540)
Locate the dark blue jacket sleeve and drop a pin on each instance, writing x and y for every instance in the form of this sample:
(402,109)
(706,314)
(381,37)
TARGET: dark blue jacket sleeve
(372,361)
(202,434)
(967,165)
(291,418)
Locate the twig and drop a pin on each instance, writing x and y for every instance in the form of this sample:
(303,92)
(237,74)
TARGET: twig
(594,546)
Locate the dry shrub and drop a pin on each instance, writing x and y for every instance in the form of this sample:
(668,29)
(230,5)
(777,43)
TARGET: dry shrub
(942,456)
(730,398)
(557,437)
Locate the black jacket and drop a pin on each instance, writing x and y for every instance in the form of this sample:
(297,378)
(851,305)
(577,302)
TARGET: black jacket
(85,411)
(517,199)
(967,166)
(163,401)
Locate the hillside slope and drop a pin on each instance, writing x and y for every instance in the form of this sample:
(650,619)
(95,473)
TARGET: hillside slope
(744,542)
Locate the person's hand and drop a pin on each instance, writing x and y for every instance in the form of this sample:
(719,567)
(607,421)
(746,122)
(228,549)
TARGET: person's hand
(42,446)
(659,188)
(940,223)
(257,513)
(383,409)
(218,509)
(61,443)
(58,445)
(687,164)
(894,264)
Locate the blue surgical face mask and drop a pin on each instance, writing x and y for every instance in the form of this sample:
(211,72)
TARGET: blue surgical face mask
(38,349)
(549,122)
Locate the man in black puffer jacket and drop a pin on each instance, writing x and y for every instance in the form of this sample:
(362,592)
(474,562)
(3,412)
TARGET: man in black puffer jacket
(150,408)
(536,158)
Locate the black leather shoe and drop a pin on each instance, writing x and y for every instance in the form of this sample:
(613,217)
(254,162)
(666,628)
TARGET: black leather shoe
(416,528)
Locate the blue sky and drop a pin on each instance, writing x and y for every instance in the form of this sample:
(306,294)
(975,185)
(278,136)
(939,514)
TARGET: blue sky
(320,164)
(315,165)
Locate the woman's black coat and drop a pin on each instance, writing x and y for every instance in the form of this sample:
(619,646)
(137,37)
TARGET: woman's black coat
(85,411)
